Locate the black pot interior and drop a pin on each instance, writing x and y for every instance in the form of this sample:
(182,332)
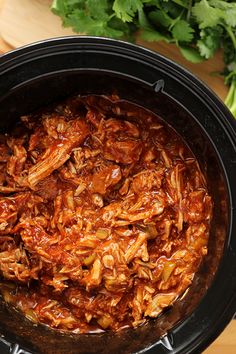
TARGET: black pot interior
(38,92)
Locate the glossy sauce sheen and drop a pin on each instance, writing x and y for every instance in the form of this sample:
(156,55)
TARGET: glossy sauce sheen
(104,215)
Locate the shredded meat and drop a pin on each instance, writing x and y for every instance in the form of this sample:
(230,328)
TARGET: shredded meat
(104,215)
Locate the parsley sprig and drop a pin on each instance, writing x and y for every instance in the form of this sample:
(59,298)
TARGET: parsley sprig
(199,28)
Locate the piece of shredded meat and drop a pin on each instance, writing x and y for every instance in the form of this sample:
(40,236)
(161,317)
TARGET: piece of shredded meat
(104,215)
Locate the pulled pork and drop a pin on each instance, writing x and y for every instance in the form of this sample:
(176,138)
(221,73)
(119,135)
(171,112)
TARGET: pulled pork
(104,215)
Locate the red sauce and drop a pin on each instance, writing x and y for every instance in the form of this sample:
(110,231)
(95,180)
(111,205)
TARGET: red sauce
(104,215)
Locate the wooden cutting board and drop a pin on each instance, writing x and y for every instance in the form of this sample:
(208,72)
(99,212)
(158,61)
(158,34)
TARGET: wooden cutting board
(26,21)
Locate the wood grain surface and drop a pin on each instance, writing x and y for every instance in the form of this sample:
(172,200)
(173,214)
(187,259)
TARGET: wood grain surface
(26,21)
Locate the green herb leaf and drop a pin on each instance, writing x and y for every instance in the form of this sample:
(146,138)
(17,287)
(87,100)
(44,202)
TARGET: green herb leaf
(191,54)
(59,8)
(183,3)
(160,18)
(97,9)
(126,9)
(143,20)
(230,17)
(182,31)
(206,15)
(154,36)
(170,7)
(86,24)
(198,27)
(210,41)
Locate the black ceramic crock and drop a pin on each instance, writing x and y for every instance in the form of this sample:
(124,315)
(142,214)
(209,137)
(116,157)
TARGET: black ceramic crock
(32,77)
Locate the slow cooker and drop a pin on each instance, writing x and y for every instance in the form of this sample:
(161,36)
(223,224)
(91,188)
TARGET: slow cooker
(45,72)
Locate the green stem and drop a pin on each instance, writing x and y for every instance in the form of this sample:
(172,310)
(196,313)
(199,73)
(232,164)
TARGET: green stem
(189,10)
(232,36)
(111,16)
(176,20)
(230,100)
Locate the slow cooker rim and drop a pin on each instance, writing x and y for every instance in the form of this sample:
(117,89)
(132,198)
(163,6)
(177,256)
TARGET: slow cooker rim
(13,57)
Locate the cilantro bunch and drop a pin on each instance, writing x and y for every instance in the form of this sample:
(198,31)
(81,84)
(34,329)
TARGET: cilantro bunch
(199,28)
